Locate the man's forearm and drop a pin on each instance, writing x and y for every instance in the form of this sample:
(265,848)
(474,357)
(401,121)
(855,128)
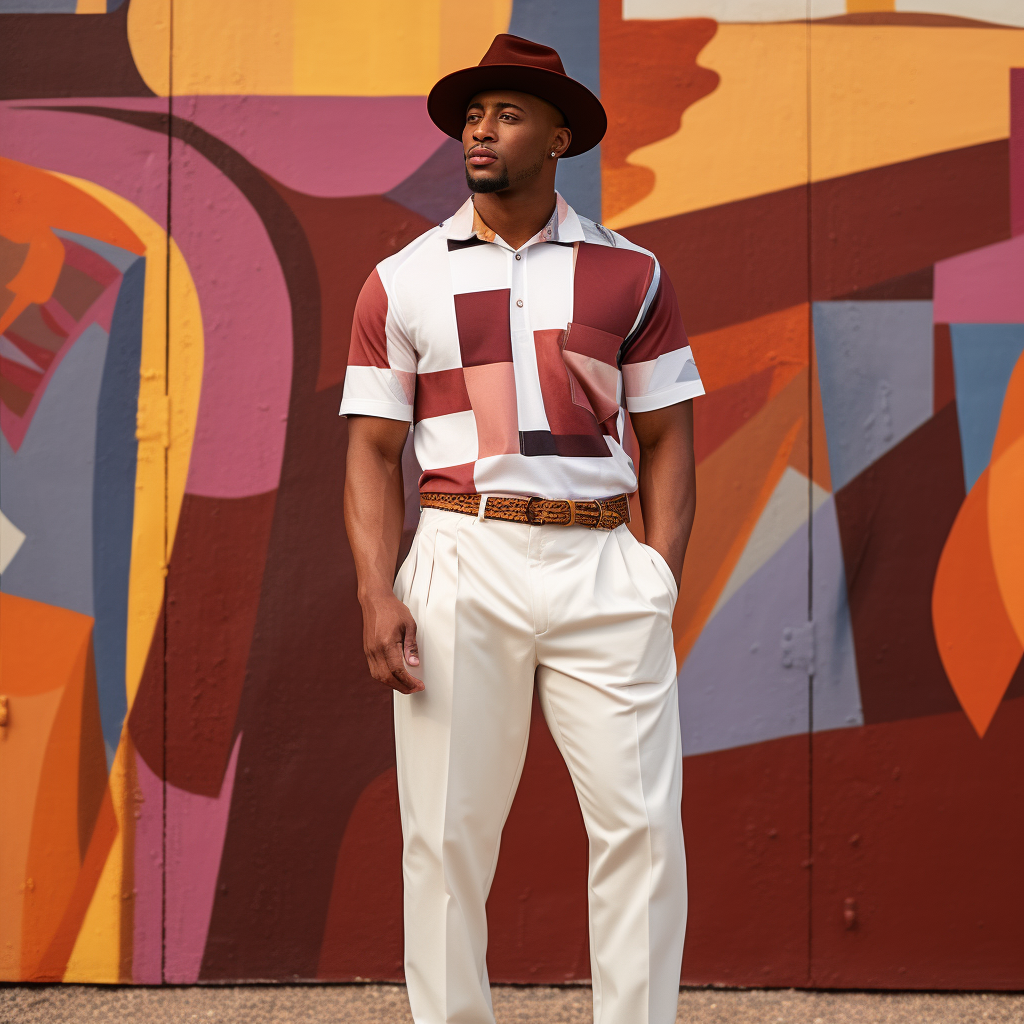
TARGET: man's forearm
(668,488)
(374,508)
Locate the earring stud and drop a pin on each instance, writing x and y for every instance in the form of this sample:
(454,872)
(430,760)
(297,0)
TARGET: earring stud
(552,152)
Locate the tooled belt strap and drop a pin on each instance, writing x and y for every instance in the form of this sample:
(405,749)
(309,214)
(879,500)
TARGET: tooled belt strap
(598,514)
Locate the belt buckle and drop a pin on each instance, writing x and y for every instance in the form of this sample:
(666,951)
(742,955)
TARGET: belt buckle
(529,510)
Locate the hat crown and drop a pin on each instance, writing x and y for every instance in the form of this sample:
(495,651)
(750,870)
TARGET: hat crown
(509,49)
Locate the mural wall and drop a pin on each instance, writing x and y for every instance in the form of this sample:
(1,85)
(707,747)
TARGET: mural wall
(196,771)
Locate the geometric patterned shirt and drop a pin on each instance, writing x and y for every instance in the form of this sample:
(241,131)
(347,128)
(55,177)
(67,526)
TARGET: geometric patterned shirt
(516,367)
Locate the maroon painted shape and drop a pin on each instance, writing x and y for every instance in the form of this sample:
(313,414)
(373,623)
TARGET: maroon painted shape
(918,832)
(893,522)
(720,413)
(867,228)
(943,379)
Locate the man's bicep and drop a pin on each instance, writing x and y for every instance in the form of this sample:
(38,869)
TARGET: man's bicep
(379,435)
(673,422)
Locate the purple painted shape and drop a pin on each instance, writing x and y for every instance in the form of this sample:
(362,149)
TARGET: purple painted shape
(985,286)
(322,145)
(196,826)
(1017,151)
(735,687)
(15,427)
(240,432)
(147,933)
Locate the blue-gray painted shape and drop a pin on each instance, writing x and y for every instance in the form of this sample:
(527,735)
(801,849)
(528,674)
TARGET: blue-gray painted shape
(572,28)
(875,367)
(113,499)
(734,688)
(984,356)
(437,188)
(38,6)
(114,254)
(48,483)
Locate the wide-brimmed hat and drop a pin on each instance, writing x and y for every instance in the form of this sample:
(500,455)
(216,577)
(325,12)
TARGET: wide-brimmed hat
(512,62)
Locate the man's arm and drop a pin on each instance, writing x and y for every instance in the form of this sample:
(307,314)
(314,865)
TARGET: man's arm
(668,482)
(374,513)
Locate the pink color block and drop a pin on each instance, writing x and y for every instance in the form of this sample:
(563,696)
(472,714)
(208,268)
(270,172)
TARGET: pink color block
(247,361)
(147,937)
(196,826)
(985,286)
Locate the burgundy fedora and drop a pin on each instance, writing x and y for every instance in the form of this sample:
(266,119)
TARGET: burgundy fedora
(512,62)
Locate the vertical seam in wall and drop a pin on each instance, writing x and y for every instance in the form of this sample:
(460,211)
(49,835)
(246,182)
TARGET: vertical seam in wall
(167,438)
(810,519)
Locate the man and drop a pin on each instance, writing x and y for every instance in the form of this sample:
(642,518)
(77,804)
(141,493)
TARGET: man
(512,335)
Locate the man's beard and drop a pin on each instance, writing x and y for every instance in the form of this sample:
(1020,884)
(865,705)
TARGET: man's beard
(487,184)
(502,181)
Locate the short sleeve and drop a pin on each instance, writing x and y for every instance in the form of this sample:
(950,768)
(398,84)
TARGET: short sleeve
(658,367)
(381,375)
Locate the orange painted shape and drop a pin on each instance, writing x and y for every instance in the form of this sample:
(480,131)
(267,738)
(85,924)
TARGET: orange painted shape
(976,641)
(731,354)
(39,644)
(734,484)
(668,50)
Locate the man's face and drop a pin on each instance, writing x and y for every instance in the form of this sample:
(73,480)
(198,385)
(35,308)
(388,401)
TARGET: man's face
(507,138)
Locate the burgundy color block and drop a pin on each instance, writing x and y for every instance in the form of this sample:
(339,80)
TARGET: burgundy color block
(609,287)
(484,332)
(943,382)
(440,393)
(369,344)
(589,341)
(449,479)
(662,330)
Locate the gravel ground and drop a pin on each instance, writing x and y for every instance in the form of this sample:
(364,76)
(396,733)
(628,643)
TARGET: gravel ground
(387,1004)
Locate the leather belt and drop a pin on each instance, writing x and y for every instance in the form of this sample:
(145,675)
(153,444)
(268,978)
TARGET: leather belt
(597,514)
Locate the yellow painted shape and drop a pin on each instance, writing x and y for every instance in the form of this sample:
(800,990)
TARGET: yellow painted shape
(869,6)
(96,956)
(22,750)
(310,47)
(166,418)
(747,137)
(91,7)
(880,94)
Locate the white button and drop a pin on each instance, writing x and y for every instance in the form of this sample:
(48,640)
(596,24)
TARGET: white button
(518,256)
(519,302)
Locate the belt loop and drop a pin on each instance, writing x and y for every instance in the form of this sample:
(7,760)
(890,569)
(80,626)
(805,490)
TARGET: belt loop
(483,508)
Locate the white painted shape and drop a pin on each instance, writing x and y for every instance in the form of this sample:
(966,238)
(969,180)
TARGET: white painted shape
(785,513)
(11,539)
(732,10)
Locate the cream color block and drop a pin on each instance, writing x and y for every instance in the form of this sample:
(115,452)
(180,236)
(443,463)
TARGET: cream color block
(586,613)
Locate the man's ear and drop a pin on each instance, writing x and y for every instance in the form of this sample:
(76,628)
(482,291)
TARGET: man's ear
(561,141)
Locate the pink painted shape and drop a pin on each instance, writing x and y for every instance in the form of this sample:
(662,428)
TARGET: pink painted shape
(985,286)
(321,145)
(247,362)
(147,931)
(15,427)
(89,262)
(196,826)
(1017,151)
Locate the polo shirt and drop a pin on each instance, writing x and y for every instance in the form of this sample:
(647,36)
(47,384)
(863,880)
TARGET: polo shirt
(517,366)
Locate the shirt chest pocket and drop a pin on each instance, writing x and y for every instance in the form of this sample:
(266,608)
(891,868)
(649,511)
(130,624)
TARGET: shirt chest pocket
(590,356)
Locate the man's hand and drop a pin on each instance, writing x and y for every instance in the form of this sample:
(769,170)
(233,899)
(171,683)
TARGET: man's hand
(374,512)
(389,642)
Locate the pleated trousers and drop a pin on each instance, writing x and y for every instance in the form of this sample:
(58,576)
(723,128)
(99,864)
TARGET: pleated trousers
(586,616)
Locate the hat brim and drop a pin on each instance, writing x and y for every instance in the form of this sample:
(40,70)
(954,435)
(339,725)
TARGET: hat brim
(583,111)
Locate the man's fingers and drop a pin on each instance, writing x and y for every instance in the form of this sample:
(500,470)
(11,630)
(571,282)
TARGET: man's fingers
(411,650)
(409,683)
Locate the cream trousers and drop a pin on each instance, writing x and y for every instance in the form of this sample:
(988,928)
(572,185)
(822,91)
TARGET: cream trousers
(587,615)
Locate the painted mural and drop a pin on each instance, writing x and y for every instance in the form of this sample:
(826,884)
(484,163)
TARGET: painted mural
(196,771)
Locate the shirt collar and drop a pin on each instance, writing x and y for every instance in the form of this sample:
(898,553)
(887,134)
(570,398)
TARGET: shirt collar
(564,225)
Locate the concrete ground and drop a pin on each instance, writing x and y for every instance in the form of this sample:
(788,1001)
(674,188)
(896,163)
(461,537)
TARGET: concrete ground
(387,1004)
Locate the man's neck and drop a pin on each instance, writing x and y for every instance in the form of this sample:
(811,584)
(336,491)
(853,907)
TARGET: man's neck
(515,216)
